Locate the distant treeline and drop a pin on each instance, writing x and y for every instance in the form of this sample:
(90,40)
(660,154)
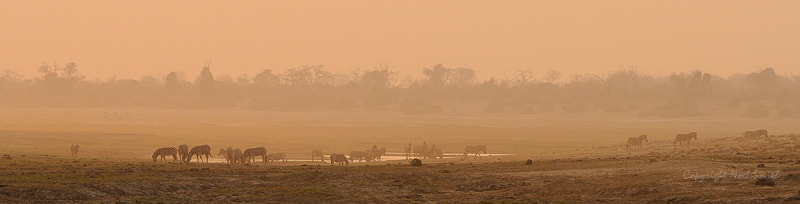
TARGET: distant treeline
(759,94)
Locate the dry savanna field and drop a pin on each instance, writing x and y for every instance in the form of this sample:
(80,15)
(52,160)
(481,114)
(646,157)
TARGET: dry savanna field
(576,158)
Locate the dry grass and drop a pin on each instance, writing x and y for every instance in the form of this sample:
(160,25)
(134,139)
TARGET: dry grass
(576,158)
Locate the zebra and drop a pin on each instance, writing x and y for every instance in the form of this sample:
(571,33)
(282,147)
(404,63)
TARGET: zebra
(377,153)
(227,154)
(370,155)
(237,156)
(340,159)
(421,151)
(199,151)
(74,149)
(435,152)
(635,141)
(474,150)
(317,153)
(358,155)
(408,151)
(754,135)
(165,151)
(183,152)
(252,153)
(276,157)
(680,138)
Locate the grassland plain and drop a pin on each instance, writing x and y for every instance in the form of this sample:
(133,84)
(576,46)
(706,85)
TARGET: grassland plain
(577,158)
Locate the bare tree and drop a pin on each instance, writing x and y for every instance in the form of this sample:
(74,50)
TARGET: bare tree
(171,81)
(523,77)
(436,76)
(378,78)
(206,79)
(552,76)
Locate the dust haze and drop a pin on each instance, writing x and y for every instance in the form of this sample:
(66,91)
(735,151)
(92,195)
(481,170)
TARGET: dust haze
(395,102)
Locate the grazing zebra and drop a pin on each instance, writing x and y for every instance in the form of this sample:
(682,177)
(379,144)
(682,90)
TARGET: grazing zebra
(358,155)
(754,135)
(680,138)
(74,149)
(164,152)
(341,159)
(183,152)
(370,156)
(317,153)
(377,153)
(227,154)
(252,153)
(408,151)
(199,151)
(420,151)
(474,150)
(430,153)
(635,141)
(274,157)
(374,148)
(237,156)
(435,152)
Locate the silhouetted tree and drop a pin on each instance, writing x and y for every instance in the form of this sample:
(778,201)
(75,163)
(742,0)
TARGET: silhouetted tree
(266,79)
(552,76)
(171,81)
(378,78)
(206,80)
(764,81)
(307,76)
(436,76)
(692,86)
(59,86)
(461,77)
(70,72)
(523,77)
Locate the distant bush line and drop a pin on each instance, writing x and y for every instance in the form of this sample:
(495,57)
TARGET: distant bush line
(442,90)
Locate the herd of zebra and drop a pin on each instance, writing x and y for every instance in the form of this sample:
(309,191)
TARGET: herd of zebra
(231,155)
(636,142)
(237,156)
(435,153)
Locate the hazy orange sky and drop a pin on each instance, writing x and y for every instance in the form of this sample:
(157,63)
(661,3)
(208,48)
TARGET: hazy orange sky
(132,38)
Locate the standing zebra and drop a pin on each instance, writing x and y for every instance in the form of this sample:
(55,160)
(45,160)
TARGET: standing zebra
(183,152)
(227,154)
(252,153)
(635,141)
(421,151)
(435,152)
(680,138)
(316,153)
(165,151)
(377,153)
(275,157)
(474,150)
(358,155)
(237,156)
(408,150)
(340,159)
(199,151)
(74,149)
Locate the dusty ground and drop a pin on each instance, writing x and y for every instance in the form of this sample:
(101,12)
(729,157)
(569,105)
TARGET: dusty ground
(587,162)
